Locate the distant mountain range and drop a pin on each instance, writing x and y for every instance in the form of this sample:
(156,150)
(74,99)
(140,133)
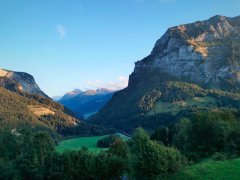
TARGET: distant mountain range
(24,104)
(192,67)
(86,103)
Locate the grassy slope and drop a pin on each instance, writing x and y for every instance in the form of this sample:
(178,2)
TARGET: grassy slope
(161,107)
(219,170)
(19,109)
(78,143)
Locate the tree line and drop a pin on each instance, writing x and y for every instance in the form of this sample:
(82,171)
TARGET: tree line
(28,155)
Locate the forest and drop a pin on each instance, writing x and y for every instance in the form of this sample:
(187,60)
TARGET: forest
(32,155)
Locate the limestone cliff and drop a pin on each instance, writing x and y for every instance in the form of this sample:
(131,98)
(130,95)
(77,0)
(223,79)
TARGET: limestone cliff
(192,67)
(204,52)
(19,81)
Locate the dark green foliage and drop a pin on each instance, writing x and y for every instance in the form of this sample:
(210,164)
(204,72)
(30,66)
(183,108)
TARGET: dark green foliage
(161,135)
(16,114)
(178,91)
(28,155)
(152,160)
(106,142)
(135,105)
(204,134)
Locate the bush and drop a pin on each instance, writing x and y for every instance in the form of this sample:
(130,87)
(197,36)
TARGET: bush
(218,156)
(152,160)
(107,141)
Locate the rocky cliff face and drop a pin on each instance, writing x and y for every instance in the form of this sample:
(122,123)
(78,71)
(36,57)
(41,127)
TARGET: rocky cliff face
(179,76)
(204,52)
(19,81)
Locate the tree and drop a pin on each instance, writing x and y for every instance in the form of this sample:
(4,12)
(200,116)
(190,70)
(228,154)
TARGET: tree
(151,160)
(36,147)
(9,147)
(118,159)
(181,138)
(161,135)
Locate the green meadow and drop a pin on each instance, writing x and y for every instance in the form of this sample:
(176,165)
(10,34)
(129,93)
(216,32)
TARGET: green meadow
(219,170)
(80,142)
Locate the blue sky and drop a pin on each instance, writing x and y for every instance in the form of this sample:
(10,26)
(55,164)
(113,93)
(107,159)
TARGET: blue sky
(67,44)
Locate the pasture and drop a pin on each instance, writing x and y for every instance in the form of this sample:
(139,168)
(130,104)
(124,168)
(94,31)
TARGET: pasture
(80,142)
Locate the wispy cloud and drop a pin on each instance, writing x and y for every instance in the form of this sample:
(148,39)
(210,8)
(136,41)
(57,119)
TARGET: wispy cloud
(120,83)
(61,31)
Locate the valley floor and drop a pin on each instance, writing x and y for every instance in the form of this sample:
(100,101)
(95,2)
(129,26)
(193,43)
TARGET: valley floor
(89,142)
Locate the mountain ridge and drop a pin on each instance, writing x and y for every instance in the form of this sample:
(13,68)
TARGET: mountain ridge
(19,82)
(192,67)
(86,102)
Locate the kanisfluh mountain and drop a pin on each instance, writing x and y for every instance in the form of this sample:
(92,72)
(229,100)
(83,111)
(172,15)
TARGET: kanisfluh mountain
(84,104)
(24,104)
(192,67)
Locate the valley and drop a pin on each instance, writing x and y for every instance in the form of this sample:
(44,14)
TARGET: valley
(177,116)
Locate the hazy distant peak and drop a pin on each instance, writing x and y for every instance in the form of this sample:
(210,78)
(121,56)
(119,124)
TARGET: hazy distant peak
(98,91)
(75,92)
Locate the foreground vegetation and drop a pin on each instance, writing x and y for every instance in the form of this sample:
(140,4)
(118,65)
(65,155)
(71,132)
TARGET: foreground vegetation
(220,170)
(167,153)
(27,155)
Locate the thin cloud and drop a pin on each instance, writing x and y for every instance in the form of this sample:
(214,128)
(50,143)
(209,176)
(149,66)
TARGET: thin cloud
(61,31)
(118,84)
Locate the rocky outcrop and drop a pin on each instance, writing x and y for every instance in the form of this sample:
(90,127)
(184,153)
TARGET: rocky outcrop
(204,52)
(187,62)
(19,82)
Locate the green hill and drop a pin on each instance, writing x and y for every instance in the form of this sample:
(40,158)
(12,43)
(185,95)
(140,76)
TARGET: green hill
(219,170)
(159,104)
(23,110)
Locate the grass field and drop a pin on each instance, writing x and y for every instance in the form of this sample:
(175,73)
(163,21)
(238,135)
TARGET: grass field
(211,170)
(78,143)
(161,107)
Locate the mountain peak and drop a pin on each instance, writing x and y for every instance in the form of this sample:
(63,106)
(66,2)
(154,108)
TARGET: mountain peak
(217,18)
(19,81)
(75,92)
(204,52)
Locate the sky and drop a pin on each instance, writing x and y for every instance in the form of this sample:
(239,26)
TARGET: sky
(89,44)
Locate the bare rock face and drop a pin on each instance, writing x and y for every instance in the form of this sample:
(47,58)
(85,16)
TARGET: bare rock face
(204,52)
(19,81)
(186,62)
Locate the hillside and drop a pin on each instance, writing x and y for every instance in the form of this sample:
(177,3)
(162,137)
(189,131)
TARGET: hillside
(24,104)
(83,104)
(192,67)
(17,110)
(228,169)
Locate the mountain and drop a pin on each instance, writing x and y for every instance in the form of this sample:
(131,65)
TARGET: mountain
(192,67)
(71,94)
(19,81)
(23,104)
(84,104)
